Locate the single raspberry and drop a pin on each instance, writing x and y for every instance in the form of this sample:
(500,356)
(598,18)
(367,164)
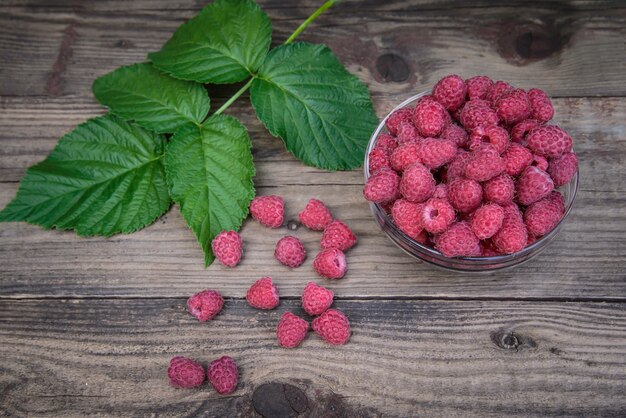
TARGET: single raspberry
(540,162)
(386,143)
(330,263)
(290,252)
(516,159)
(377,159)
(205,305)
(484,164)
(458,241)
(417,183)
(456,168)
(487,220)
(477,113)
(429,117)
(441,191)
(494,135)
(496,91)
(542,108)
(478,86)
(408,217)
(315,215)
(382,186)
(227,247)
(291,330)
(549,141)
(456,134)
(263,294)
(316,299)
(404,156)
(407,133)
(337,235)
(520,129)
(513,236)
(333,326)
(542,216)
(268,210)
(512,211)
(464,194)
(500,190)
(532,185)
(513,106)
(434,152)
(450,92)
(437,215)
(393,121)
(185,373)
(563,168)
(223,375)
(557,199)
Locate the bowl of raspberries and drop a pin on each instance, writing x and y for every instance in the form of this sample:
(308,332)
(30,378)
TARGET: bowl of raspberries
(474,175)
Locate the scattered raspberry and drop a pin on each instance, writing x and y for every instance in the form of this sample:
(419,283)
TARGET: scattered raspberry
(496,91)
(417,183)
(500,190)
(542,216)
(223,375)
(291,330)
(456,168)
(382,186)
(330,263)
(268,210)
(227,247)
(465,195)
(404,156)
(290,252)
(263,294)
(533,184)
(185,373)
(333,326)
(393,121)
(408,217)
(205,305)
(437,215)
(542,108)
(316,299)
(450,92)
(516,159)
(435,152)
(563,168)
(477,113)
(513,106)
(407,133)
(456,134)
(429,117)
(458,241)
(441,191)
(549,141)
(520,129)
(378,159)
(487,220)
(485,163)
(513,236)
(338,235)
(315,215)
(386,143)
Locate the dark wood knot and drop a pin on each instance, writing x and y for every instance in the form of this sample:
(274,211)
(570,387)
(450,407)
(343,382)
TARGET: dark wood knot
(124,44)
(278,400)
(392,67)
(523,43)
(510,340)
(293,225)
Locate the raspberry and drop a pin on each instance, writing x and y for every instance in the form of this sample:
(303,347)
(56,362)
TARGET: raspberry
(533,184)
(386,143)
(513,236)
(456,168)
(408,217)
(291,330)
(185,373)
(407,133)
(337,235)
(542,108)
(263,294)
(450,92)
(393,121)
(316,299)
(478,86)
(378,159)
(477,113)
(404,156)
(333,326)
(441,191)
(496,90)
(519,130)
(494,135)
(549,141)
(563,168)
(485,163)
(511,210)
(268,210)
(437,215)
(558,199)
(458,241)
(487,220)
(513,106)
(500,190)
(290,252)
(227,247)
(223,375)
(417,183)
(429,117)
(516,159)
(435,152)
(456,134)
(315,215)
(205,305)
(542,216)
(382,186)
(540,162)
(465,195)
(330,263)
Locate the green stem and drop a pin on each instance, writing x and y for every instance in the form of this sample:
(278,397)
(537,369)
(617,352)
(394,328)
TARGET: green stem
(235,97)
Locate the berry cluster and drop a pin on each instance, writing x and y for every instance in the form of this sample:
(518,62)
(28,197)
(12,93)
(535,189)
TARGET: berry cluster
(473,169)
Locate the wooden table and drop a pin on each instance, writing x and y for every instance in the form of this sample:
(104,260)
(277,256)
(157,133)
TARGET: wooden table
(87,326)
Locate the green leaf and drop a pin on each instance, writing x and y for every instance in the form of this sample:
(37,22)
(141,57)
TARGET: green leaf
(104,177)
(225,43)
(209,172)
(154,100)
(323,113)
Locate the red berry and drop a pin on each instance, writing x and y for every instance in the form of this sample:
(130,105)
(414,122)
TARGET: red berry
(407,133)
(223,375)
(487,220)
(263,294)
(291,330)
(404,156)
(532,185)
(450,92)
(477,87)
(185,373)
(393,121)
(542,216)
(563,168)
(408,217)
(477,113)
(496,91)
(382,186)
(500,190)
(434,152)
(337,235)
(386,143)
(315,215)
(290,252)
(205,305)
(516,159)
(441,191)
(494,135)
(437,215)
(333,326)
(417,183)
(330,263)
(456,134)
(485,163)
(458,241)
(520,129)
(540,162)
(429,117)
(316,299)
(549,141)
(268,210)
(513,236)
(465,195)
(542,108)
(227,247)
(513,106)
(456,168)
(378,159)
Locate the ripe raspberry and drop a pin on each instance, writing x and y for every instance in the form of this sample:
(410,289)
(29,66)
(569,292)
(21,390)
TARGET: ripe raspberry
(315,215)
(435,152)
(290,252)
(337,235)
(450,92)
(316,299)
(333,326)
(500,190)
(185,373)
(268,210)
(516,159)
(557,199)
(496,91)
(485,163)
(404,156)
(513,106)
(456,134)
(456,168)
(408,217)
(437,215)
(291,330)
(458,241)
(330,263)
(532,185)
(478,86)
(417,183)
(223,375)
(477,113)
(429,117)
(378,159)
(441,191)
(540,162)
(520,129)
(227,247)
(393,121)
(511,210)
(494,135)
(563,168)
(549,141)
(487,220)
(407,133)
(386,143)
(205,305)
(263,294)
(542,108)
(465,195)
(382,186)
(513,236)
(542,216)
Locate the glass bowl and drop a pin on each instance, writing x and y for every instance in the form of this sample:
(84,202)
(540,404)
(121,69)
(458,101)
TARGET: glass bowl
(464,264)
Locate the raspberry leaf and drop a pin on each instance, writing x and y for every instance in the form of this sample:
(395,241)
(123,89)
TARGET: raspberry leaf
(324,114)
(209,172)
(104,177)
(151,98)
(225,43)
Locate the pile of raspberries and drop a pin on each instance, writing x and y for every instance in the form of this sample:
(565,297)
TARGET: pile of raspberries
(472,170)
(330,324)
